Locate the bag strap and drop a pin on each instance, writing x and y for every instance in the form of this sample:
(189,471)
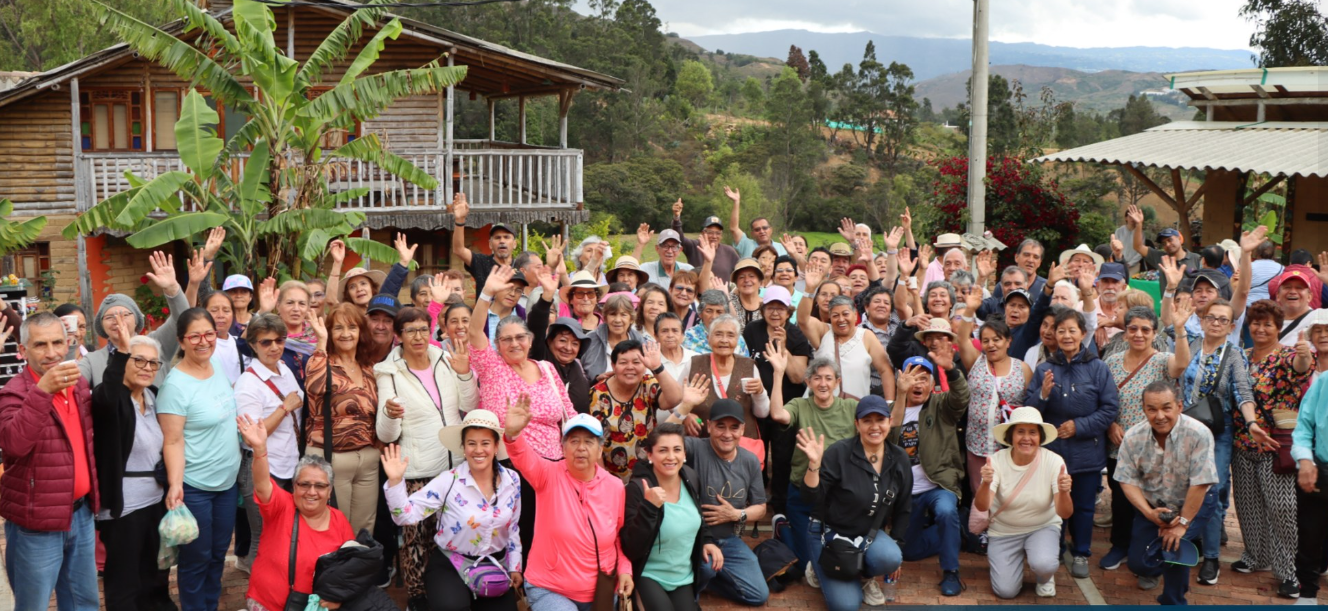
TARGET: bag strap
(1023,481)
(294,546)
(835,346)
(879,519)
(595,538)
(327,414)
(1295,324)
(1131,376)
(276,391)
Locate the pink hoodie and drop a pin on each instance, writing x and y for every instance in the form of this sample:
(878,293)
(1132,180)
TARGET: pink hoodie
(562,556)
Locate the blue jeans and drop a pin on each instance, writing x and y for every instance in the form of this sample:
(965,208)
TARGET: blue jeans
(203,560)
(741,579)
(547,600)
(941,536)
(882,558)
(799,513)
(40,562)
(1175,577)
(1083,495)
(1212,535)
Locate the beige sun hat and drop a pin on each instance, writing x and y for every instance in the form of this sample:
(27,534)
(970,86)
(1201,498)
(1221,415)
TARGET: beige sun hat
(375,277)
(628,263)
(937,325)
(1082,249)
(1024,415)
(451,436)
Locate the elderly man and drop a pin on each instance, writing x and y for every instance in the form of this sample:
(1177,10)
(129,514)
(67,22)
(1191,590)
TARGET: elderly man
(1166,468)
(1111,284)
(530,265)
(48,487)
(712,231)
(383,310)
(841,258)
(1012,278)
(761,230)
(697,339)
(1294,290)
(502,243)
(667,246)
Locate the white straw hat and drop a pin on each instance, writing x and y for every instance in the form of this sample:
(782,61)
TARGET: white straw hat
(1024,415)
(451,436)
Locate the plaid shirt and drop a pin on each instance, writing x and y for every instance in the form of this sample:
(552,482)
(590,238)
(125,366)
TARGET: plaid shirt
(1167,474)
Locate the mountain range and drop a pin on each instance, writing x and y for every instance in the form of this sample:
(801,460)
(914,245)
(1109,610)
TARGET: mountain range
(932,57)
(1101,92)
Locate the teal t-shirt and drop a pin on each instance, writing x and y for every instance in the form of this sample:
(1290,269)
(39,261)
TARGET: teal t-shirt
(670,562)
(211,439)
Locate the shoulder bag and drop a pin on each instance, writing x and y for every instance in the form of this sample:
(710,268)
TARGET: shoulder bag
(980,521)
(606,585)
(1207,409)
(295,600)
(843,558)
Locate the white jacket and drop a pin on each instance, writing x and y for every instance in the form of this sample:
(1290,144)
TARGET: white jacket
(417,429)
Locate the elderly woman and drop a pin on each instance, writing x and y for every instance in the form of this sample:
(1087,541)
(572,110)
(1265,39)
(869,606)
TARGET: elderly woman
(854,349)
(626,403)
(579,299)
(1217,369)
(1120,342)
(996,384)
(765,256)
(592,257)
(454,323)
(268,392)
(1279,377)
(421,390)
(317,296)
(683,292)
(619,311)
(559,344)
(745,303)
(668,333)
(485,510)
(785,274)
(730,376)
(293,308)
(1132,370)
(360,285)
(580,510)
(343,410)
(1076,393)
(663,534)
(127,454)
(1027,490)
(119,309)
(196,409)
(231,350)
(654,301)
(714,303)
(319,529)
(859,486)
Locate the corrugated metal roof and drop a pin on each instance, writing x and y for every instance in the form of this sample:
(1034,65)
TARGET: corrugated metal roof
(1265,148)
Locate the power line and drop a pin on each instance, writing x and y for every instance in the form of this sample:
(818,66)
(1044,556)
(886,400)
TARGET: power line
(383,5)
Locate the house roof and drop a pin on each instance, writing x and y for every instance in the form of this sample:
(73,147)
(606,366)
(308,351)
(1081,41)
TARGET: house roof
(493,70)
(1282,148)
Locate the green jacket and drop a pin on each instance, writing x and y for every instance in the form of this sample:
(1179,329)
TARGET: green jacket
(938,438)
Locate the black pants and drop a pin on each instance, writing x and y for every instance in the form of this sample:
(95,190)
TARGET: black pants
(1312,531)
(1122,511)
(782,444)
(445,590)
(385,531)
(527,519)
(131,579)
(655,598)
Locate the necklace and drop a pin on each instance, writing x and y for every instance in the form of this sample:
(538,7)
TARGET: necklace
(873,458)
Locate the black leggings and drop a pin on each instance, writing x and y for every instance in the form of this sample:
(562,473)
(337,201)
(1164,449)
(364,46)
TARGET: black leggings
(445,590)
(527,519)
(132,580)
(655,598)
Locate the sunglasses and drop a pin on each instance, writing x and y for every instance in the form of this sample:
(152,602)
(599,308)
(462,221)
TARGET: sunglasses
(267,343)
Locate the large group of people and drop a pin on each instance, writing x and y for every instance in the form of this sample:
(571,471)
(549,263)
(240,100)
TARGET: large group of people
(610,430)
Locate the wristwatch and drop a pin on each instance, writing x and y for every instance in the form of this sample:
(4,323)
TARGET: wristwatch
(742,519)
(1183,521)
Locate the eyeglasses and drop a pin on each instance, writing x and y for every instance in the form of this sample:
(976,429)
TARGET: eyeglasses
(515,339)
(318,294)
(785,270)
(669,246)
(1138,329)
(415,331)
(319,486)
(198,338)
(1214,319)
(114,316)
(267,343)
(148,364)
(583,294)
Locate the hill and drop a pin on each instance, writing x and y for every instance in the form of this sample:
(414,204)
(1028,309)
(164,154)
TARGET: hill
(1096,91)
(932,57)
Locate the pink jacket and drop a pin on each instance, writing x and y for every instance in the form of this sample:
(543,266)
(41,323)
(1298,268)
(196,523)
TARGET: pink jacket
(562,556)
(37,488)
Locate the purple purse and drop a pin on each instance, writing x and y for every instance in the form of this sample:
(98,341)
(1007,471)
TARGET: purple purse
(485,577)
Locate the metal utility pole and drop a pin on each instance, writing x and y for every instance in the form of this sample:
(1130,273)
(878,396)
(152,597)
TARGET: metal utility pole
(977,132)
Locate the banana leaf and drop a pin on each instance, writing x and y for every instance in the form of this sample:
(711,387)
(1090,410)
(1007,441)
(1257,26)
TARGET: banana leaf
(179,227)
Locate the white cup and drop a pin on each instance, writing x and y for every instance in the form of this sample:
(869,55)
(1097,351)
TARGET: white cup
(749,385)
(71,323)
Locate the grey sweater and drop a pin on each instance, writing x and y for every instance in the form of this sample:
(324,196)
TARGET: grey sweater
(94,364)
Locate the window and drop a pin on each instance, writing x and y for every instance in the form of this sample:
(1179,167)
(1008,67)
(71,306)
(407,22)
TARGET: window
(336,138)
(31,264)
(165,112)
(112,120)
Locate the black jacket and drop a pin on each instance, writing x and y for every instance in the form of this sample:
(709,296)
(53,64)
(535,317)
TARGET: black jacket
(848,489)
(641,519)
(573,374)
(113,423)
(349,576)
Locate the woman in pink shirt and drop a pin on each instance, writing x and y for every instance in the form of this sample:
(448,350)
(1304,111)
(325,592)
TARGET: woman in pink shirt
(579,516)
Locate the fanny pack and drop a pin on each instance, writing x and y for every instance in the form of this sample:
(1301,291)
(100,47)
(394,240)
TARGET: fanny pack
(485,576)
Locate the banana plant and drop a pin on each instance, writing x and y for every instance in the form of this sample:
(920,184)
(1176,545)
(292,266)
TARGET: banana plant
(280,214)
(14,236)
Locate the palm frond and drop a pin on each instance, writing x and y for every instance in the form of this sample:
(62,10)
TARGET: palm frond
(197,141)
(375,251)
(337,45)
(336,199)
(178,227)
(366,97)
(369,54)
(304,219)
(152,196)
(368,148)
(100,216)
(253,189)
(197,18)
(16,235)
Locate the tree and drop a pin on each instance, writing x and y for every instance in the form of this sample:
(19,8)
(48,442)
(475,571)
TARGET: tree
(1137,115)
(280,208)
(753,95)
(792,144)
(37,35)
(798,61)
(1287,32)
(866,96)
(816,70)
(695,83)
(900,122)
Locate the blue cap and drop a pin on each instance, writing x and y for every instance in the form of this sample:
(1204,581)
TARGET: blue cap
(872,404)
(1169,232)
(584,421)
(920,361)
(384,303)
(1114,271)
(237,281)
(1185,554)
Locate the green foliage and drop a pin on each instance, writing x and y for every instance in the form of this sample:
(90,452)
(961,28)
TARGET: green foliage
(17,235)
(641,189)
(695,83)
(1137,115)
(753,95)
(43,34)
(1288,32)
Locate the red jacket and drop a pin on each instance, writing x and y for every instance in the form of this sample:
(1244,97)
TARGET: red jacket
(37,488)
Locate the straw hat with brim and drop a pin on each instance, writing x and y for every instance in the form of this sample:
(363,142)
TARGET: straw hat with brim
(452,437)
(375,277)
(581,280)
(840,249)
(1316,318)
(628,263)
(1082,249)
(937,325)
(948,240)
(746,264)
(1024,415)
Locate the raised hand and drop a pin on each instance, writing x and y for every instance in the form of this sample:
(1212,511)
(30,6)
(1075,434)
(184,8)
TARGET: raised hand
(846,229)
(1117,248)
(906,262)
(267,295)
(657,495)
(811,445)
(1303,349)
(460,355)
(163,272)
(1055,274)
(199,266)
(1064,481)
(988,472)
(319,326)
(864,247)
(253,432)
(924,254)
(777,357)
(394,464)
(695,392)
(215,239)
(1134,217)
(943,356)
(786,241)
(677,208)
(499,280)
(906,219)
(643,234)
(437,293)
(986,264)
(972,301)
(1323,266)
(460,208)
(1181,309)
(548,280)
(553,252)
(732,194)
(651,355)
(1250,240)
(518,416)
(719,285)
(1171,271)
(1048,382)
(405,250)
(893,238)
(706,249)
(337,249)
(813,277)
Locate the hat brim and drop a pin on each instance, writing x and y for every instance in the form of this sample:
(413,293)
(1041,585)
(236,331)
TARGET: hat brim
(1112,276)
(584,427)
(733,278)
(376,278)
(564,294)
(1097,259)
(451,438)
(998,432)
(923,333)
(641,276)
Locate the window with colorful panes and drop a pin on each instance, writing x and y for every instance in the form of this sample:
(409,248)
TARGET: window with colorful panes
(111,120)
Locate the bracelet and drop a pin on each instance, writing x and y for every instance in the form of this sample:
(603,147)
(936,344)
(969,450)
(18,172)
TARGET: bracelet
(456,224)
(657,370)
(1169,295)
(485,297)
(258,456)
(892,252)
(816,470)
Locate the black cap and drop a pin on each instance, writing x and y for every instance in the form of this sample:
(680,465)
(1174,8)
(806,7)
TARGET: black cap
(727,408)
(384,303)
(1016,293)
(1219,280)
(500,227)
(872,404)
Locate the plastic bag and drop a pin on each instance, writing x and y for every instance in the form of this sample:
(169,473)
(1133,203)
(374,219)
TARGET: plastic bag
(177,528)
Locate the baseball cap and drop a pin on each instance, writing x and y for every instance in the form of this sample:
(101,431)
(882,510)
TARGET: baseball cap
(1155,554)
(727,408)
(1169,232)
(584,421)
(237,281)
(1017,293)
(384,303)
(920,362)
(1114,271)
(500,227)
(668,234)
(778,293)
(713,221)
(872,404)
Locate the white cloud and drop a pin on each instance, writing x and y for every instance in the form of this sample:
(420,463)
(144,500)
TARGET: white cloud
(758,24)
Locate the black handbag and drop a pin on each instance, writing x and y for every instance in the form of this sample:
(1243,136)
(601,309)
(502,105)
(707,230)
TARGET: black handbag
(1207,409)
(842,558)
(295,600)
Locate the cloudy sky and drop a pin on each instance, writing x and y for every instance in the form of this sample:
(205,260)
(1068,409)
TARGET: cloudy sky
(1072,23)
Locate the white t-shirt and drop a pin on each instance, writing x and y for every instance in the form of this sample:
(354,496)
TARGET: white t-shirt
(1035,507)
(1293,336)
(229,356)
(910,441)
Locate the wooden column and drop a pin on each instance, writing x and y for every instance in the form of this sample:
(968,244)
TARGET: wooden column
(449,144)
(564,105)
(521,106)
(81,194)
(149,108)
(491,117)
(290,32)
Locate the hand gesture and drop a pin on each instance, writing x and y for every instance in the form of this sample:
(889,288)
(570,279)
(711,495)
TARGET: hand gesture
(118,332)
(906,220)
(215,239)
(1323,266)
(395,410)
(499,280)
(988,472)
(921,321)
(972,301)
(394,464)
(677,208)
(733,194)
(1085,282)
(1303,349)
(846,229)
(909,379)
(893,238)
(864,248)
(644,235)
(1064,481)
(1250,240)
(812,446)
(777,357)
(650,354)
(518,416)
(460,208)
(986,264)
(1134,217)
(319,326)
(1308,476)
(813,278)
(706,249)
(906,262)
(337,249)
(1181,309)
(712,554)
(1066,429)
(199,267)
(1117,248)
(1054,275)
(405,250)
(786,241)
(719,285)
(657,495)
(58,378)
(924,254)
(943,356)
(253,432)
(1048,382)
(6,330)
(267,295)
(460,356)
(694,393)
(722,513)
(437,293)
(1171,271)
(548,280)
(553,253)
(163,271)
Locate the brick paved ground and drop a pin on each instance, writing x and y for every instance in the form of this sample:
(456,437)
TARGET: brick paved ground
(918,586)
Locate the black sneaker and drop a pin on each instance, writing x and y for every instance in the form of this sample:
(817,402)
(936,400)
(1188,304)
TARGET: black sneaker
(1208,571)
(1289,589)
(1240,566)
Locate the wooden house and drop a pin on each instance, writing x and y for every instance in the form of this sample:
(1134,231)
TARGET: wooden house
(67,136)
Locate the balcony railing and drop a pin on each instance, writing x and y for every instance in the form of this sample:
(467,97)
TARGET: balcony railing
(493,175)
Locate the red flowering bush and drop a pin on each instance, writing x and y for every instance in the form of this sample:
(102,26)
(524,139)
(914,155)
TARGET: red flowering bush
(153,305)
(1020,204)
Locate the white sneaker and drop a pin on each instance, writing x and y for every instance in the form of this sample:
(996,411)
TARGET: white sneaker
(1306,601)
(810,574)
(243,563)
(872,594)
(1047,590)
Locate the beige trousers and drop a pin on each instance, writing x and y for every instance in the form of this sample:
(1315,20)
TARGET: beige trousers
(355,480)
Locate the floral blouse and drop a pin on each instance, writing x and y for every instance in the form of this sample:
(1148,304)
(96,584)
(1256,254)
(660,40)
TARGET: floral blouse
(986,391)
(354,408)
(625,424)
(469,524)
(1132,393)
(500,385)
(1277,386)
